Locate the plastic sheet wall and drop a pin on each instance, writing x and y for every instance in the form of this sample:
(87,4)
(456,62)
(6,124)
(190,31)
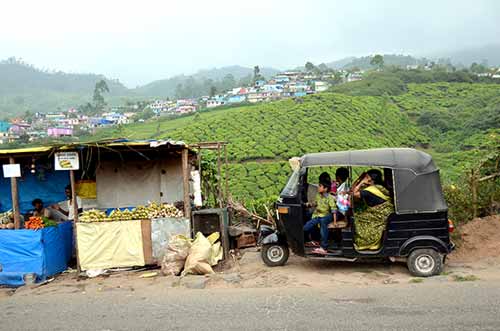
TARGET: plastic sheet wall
(162,229)
(43,252)
(44,184)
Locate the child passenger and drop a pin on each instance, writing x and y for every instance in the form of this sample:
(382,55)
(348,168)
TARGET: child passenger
(323,215)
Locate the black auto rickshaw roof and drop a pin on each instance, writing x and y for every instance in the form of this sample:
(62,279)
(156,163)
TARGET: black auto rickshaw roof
(417,186)
(395,158)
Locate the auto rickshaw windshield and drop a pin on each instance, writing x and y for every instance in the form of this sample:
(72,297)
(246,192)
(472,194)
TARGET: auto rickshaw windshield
(292,186)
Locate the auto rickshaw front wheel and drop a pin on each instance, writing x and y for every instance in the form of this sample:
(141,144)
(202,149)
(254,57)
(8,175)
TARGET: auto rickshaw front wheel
(425,262)
(274,255)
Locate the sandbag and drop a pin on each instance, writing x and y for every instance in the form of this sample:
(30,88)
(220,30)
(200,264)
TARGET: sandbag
(175,255)
(198,260)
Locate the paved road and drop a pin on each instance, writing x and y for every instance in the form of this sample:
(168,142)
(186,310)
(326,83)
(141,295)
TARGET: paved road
(425,306)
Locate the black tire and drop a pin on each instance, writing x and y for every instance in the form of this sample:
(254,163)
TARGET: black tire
(425,262)
(274,255)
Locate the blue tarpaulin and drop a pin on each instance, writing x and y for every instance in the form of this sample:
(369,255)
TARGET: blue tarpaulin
(42,252)
(46,185)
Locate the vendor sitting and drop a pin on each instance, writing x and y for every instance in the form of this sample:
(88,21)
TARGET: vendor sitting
(68,211)
(39,210)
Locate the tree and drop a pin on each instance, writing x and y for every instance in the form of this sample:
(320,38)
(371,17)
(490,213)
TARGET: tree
(213,91)
(256,74)
(323,67)
(100,88)
(309,66)
(378,61)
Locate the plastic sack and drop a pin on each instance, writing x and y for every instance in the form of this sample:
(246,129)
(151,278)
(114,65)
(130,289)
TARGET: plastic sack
(175,255)
(216,249)
(198,260)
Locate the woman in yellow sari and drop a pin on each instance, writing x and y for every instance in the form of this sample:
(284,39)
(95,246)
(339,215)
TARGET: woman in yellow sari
(370,223)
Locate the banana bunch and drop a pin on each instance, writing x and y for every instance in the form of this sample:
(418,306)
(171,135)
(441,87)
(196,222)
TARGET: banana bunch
(121,215)
(92,215)
(163,210)
(140,213)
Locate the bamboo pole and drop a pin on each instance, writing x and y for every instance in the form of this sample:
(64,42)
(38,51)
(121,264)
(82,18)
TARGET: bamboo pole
(15,198)
(185,182)
(75,218)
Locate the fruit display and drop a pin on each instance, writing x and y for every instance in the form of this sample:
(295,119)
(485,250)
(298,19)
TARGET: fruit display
(152,210)
(34,223)
(93,215)
(157,210)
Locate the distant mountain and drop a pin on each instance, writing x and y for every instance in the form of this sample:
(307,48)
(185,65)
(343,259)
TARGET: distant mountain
(17,76)
(26,88)
(363,62)
(488,54)
(339,64)
(200,82)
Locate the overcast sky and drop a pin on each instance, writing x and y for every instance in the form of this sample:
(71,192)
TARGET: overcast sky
(140,41)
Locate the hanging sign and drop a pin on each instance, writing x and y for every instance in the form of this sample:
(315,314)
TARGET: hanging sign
(67,161)
(11,170)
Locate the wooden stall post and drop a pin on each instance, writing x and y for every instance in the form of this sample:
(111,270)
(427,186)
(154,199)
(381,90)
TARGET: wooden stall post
(219,184)
(15,198)
(226,173)
(185,181)
(75,218)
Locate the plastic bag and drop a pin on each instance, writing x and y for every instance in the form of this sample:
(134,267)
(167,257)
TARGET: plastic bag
(175,255)
(200,255)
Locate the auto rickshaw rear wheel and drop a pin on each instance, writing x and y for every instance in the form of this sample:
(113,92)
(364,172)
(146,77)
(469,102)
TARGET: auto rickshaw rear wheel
(425,262)
(274,255)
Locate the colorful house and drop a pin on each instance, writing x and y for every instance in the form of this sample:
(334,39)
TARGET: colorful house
(4,126)
(59,132)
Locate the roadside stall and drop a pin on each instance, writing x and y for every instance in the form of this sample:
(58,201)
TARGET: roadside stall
(142,198)
(32,248)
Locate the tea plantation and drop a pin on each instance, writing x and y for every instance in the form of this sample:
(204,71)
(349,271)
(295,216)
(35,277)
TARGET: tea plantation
(444,118)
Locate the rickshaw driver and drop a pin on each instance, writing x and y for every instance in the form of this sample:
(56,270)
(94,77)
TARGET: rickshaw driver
(323,215)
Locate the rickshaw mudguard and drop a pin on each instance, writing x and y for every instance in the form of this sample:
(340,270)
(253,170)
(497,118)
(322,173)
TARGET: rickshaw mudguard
(270,239)
(424,242)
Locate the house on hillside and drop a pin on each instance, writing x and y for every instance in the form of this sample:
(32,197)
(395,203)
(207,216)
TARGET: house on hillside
(185,109)
(19,128)
(281,79)
(59,132)
(238,98)
(4,127)
(259,83)
(354,76)
(254,97)
(273,88)
(320,86)
(216,101)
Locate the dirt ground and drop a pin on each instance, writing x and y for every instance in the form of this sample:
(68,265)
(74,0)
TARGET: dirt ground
(480,241)
(477,258)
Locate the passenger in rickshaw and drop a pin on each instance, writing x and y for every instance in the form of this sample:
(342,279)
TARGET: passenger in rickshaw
(323,215)
(370,223)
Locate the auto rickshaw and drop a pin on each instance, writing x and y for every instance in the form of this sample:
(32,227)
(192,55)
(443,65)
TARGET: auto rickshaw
(418,231)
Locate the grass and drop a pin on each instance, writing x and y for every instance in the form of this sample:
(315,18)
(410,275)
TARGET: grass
(416,280)
(466,278)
